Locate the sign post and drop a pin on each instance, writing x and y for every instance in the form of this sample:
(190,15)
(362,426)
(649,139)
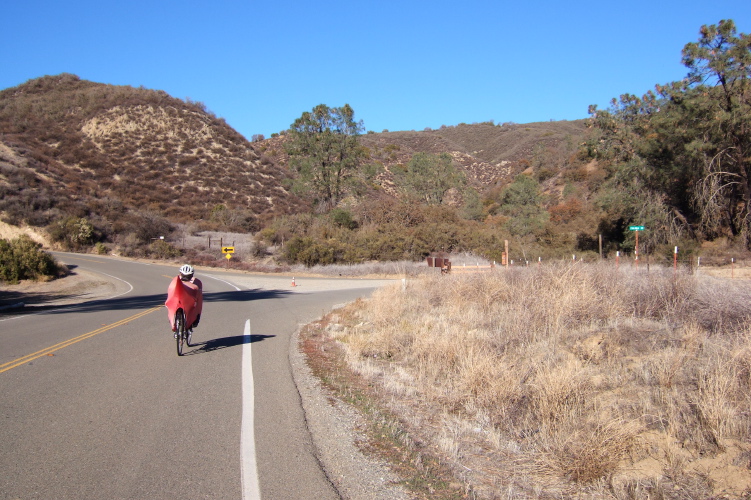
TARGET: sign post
(228,251)
(636,246)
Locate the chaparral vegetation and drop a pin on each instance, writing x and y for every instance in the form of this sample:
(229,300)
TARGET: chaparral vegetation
(577,372)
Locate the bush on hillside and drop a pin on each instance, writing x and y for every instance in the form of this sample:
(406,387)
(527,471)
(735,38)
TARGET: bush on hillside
(161,249)
(72,233)
(311,252)
(23,258)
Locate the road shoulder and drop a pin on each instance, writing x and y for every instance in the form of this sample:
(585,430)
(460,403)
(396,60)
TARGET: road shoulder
(78,286)
(334,429)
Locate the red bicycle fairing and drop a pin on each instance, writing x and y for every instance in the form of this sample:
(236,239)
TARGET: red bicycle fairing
(186,296)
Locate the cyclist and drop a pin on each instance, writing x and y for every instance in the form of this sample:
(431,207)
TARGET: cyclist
(193,283)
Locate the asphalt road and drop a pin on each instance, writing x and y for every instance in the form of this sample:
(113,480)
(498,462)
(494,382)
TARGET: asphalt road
(95,403)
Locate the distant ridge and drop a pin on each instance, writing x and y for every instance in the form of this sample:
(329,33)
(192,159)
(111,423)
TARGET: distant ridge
(490,154)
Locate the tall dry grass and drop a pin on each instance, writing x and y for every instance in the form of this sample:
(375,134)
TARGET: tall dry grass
(569,379)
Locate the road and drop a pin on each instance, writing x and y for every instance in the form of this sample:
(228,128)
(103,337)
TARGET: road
(95,403)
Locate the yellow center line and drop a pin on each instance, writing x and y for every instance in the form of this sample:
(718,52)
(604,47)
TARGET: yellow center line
(49,350)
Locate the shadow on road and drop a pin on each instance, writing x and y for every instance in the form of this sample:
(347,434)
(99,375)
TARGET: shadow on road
(10,298)
(147,302)
(223,343)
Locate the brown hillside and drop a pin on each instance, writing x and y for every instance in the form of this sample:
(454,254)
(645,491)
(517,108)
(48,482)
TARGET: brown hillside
(120,156)
(69,146)
(490,154)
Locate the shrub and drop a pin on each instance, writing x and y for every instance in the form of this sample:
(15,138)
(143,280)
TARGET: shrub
(343,218)
(308,251)
(72,232)
(148,226)
(161,249)
(23,258)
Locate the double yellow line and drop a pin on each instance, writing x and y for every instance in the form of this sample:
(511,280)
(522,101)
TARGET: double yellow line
(49,350)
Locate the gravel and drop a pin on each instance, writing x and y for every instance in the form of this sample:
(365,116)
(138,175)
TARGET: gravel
(334,426)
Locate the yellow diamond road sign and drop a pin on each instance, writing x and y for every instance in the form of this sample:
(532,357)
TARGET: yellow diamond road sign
(228,249)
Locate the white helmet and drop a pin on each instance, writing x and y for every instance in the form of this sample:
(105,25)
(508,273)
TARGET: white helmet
(186,271)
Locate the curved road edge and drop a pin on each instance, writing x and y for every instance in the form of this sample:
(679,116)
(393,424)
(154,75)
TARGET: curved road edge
(333,428)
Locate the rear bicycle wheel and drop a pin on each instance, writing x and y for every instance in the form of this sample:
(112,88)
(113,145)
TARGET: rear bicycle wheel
(180,327)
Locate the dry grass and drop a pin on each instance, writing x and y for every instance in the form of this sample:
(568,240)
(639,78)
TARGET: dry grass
(567,380)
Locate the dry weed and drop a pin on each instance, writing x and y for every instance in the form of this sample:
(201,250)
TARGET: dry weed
(559,377)
(584,454)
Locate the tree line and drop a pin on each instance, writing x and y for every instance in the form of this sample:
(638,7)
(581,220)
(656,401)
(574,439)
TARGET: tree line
(676,160)
(681,154)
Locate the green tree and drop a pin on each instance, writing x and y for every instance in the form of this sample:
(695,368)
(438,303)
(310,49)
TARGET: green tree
(719,73)
(472,206)
(691,140)
(430,176)
(521,202)
(324,149)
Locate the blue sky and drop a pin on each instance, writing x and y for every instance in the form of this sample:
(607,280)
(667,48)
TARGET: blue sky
(402,65)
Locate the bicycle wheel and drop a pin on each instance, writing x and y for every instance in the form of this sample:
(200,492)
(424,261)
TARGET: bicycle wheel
(180,325)
(189,337)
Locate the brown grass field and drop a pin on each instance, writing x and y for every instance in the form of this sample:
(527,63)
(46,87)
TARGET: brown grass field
(560,381)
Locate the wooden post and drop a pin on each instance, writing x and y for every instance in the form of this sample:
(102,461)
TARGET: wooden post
(505,243)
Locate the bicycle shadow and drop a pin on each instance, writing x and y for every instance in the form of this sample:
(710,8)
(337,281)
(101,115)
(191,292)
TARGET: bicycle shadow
(225,342)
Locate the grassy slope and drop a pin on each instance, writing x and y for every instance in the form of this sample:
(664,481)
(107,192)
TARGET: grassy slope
(565,380)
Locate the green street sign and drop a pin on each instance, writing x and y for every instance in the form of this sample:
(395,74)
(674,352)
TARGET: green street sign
(636,228)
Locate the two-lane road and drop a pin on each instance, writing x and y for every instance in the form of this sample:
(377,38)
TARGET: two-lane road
(95,402)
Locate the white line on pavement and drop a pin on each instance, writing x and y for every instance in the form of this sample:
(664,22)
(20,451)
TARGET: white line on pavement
(251,490)
(223,281)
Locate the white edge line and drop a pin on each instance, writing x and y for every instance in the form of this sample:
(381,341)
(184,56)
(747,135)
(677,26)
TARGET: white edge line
(250,485)
(115,277)
(223,281)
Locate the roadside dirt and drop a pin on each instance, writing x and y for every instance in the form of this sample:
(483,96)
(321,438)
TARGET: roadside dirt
(78,286)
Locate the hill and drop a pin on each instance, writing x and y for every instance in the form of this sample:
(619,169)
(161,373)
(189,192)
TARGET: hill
(69,146)
(91,162)
(489,154)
